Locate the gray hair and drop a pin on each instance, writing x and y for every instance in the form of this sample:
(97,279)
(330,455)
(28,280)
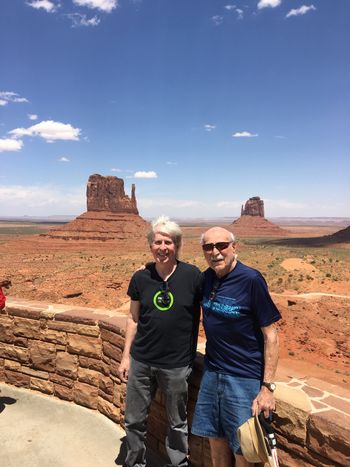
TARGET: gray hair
(165,225)
(232,237)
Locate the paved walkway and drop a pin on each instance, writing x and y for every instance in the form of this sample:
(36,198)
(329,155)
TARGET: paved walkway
(41,431)
(322,395)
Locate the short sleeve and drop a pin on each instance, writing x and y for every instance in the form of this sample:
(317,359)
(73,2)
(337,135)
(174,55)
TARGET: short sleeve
(133,291)
(262,304)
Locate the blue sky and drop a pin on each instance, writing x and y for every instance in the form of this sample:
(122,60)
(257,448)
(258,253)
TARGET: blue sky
(200,103)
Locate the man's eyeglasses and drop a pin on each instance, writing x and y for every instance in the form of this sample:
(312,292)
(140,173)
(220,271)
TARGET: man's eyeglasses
(219,246)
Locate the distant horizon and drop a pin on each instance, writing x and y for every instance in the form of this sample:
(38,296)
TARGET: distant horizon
(283,219)
(203,104)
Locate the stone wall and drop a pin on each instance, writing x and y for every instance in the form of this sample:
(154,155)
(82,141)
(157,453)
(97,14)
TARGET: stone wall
(73,353)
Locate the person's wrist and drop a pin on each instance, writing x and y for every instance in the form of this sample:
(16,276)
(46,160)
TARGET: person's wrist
(269,386)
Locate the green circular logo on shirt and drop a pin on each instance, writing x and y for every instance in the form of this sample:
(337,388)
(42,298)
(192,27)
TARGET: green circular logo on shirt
(163,301)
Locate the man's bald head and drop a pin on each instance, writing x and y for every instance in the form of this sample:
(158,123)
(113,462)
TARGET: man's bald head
(219,250)
(224,233)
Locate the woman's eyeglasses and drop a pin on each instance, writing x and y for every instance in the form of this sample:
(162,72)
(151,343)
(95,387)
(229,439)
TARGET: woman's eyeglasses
(219,246)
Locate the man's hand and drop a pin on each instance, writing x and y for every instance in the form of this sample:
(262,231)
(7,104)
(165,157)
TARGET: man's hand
(144,266)
(264,402)
(123,370)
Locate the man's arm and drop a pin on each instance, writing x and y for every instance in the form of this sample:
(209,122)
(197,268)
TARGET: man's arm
(264,401)
(131,328)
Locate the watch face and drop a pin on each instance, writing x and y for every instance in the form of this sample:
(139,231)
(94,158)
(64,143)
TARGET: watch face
(270,386)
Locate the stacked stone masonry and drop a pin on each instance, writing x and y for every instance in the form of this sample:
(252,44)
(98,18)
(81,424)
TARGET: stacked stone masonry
(73,353)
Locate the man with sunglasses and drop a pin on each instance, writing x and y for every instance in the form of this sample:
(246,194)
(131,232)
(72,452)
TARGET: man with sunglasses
(160,343)
(241,356)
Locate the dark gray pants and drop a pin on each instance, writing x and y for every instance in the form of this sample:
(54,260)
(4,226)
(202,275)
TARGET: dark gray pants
(143,381)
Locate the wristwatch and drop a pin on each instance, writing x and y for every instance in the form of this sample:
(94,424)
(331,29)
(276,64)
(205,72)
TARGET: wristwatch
(270,386)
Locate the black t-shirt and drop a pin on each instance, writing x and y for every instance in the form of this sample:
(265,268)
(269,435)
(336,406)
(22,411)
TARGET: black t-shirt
(167,332)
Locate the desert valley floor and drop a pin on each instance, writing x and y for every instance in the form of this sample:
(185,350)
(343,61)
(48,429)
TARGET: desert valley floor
(310,282)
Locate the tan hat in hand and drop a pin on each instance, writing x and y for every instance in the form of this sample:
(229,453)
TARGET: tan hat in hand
(254,443)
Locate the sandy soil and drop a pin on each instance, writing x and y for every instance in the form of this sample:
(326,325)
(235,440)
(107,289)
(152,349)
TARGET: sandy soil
(314,330)
(292,264)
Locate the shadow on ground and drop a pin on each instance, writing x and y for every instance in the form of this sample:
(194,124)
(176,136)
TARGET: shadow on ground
(4,401)
(41,431)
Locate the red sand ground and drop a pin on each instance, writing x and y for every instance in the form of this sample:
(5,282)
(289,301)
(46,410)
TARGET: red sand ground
(314,332)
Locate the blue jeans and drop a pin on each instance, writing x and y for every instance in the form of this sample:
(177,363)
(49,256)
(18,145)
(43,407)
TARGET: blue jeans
(224,403)
(143,381)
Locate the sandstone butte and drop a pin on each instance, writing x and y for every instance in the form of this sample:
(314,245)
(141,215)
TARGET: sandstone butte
(252,222)
(110,215)
(340,236)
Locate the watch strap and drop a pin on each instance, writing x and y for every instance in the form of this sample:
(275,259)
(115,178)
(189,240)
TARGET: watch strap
(270,386)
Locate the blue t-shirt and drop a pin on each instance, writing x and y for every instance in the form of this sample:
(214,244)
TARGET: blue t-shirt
(235,308)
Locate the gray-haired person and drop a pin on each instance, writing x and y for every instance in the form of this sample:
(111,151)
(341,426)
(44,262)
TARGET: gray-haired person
(160,343)
(241,355)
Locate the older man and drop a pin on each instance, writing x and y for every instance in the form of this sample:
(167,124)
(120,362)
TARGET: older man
(160,342)
(241,352)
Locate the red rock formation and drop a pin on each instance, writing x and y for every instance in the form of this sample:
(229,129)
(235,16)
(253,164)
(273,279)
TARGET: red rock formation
(253,207)
(342,236)
(107,194)
(111,214)
(252,222)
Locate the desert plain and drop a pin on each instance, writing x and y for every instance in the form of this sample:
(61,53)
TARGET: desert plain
(309,282)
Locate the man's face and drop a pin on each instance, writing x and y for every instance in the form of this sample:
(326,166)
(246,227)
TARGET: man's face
(221,260)
(163,248)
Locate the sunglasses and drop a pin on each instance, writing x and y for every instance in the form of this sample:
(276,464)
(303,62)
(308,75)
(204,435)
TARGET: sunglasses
(164,299)
(219,246)
(214,291)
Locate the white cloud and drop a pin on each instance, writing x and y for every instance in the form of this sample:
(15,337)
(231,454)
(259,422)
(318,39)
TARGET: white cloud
(300,11)
(284,204)
(171,163)
(240,13)
(7,145)
(104,5)
(217,19)
(41,200)
(229,204)
(32,117)
(63,159)
(244,134)
(50,131)
(9,96)
(234,8)
(79,20)
(122,171)
(147,203)
(47,5)
(268,3)
(143,174)
(209,127)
